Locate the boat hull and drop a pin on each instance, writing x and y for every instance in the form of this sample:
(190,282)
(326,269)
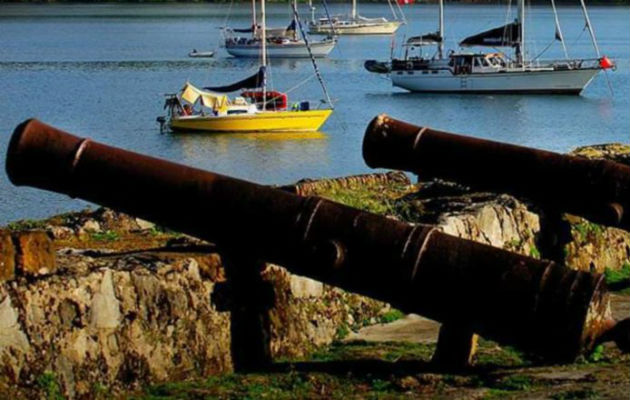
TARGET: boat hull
(379,28)
(270,121)
(201,54)
(319,49)
(535,81)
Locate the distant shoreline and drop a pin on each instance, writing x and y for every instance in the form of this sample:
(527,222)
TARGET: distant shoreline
(497,2)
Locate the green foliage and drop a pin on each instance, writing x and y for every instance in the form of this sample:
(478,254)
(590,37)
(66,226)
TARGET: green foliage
(158,230)
(588,231)
(48,383)
(619,280)
(386,351)
(342,332)
(619,275)
(100,391)
(493,394)
(380,385)
(363,199)
(391,316)
(107,236)
(576,394)
(515,382)
(26,224)
(534,252)
(490,354)
(597,354)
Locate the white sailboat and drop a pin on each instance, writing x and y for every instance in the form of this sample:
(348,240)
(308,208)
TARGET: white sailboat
(257,109)
(470,72)
(280,43)
(355,24)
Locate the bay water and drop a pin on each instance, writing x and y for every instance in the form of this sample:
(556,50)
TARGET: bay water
(102,70)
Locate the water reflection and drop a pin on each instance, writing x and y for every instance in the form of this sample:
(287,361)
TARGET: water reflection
(252,155)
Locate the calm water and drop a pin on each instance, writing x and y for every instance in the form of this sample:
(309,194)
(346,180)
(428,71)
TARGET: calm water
(101,71)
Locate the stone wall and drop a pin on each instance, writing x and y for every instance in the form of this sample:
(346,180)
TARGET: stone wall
(113,316)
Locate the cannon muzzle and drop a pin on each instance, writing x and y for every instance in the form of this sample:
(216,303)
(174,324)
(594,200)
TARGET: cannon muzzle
(536,305)
(598,190)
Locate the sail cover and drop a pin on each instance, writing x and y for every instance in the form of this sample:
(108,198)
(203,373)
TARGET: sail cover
(503,36)
(243,30)
(427,38)
(253,82)
(212,100)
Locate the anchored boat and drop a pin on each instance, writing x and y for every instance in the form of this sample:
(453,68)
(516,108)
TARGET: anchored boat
(280,43)
(201,54)
(482,72)
(256,109)
(355,24)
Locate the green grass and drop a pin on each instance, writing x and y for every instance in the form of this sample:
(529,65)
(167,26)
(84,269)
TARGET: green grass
(386,366)
(49,385)
(367,200)
(391,316)
(619,280)
(515,382)
(26,225)
(619,275)
(384,351)
(580,394)
(107,236)
(493,394)
(285,386)
(342,332)
(587,231)
(489,354)
(597,354)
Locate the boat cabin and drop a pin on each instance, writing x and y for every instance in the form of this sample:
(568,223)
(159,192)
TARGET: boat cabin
(463,63)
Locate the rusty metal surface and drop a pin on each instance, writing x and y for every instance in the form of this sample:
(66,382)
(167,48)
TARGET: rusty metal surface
(596,189)
(536,305)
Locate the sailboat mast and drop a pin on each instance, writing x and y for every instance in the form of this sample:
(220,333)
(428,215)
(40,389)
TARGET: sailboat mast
(310,6)
(590,28)
(263,47)
(354,10)
(294,21)
(558,29)
(520,57)
(441,30)
(254,23)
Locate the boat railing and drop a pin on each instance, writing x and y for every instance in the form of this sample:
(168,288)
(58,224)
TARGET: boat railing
(574,63)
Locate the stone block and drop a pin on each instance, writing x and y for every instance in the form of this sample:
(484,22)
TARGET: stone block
(35,253)
(302,287)
(7,257)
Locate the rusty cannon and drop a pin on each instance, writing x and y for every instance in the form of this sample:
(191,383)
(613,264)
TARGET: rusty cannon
(537,305)
(598,190)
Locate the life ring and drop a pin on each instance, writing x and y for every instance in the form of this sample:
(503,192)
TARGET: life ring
(409,64)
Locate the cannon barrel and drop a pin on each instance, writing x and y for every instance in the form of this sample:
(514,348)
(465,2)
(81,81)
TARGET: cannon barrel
(596,189)
(536,305)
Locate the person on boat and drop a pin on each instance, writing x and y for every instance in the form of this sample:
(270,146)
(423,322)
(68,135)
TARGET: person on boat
(187,110)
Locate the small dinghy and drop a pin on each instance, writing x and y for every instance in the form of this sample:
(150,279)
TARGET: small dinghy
(202,54)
